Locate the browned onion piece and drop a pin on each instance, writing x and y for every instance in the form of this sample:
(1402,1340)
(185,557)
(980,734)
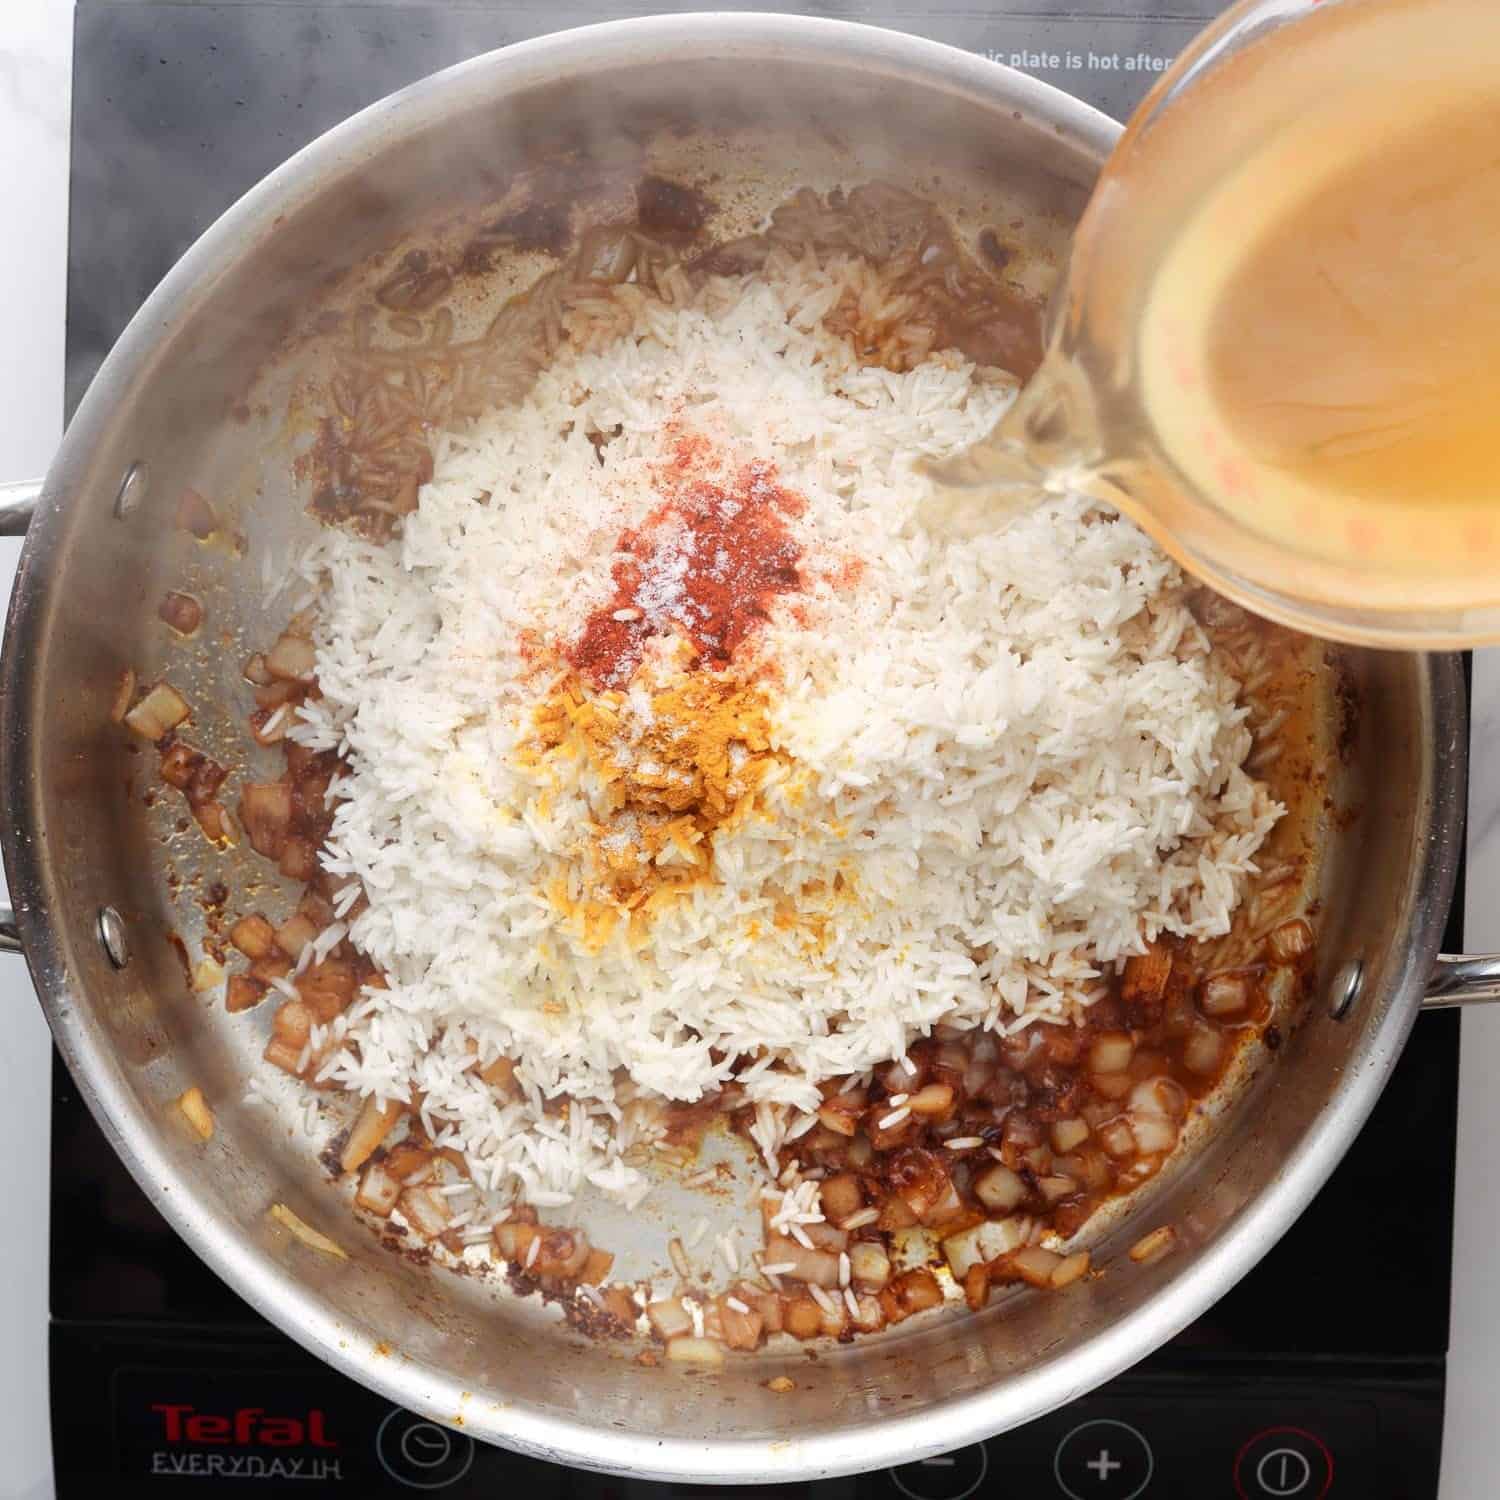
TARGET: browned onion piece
(378,1190)
(283,1055)
(178,762)
(1158,1096)
(158,713)
(294,935)
(272,966)
(826,1236)
(669,1319)
(1034,1265)
(274,694)
(1202,1051)
(815,1267)
(1146,975)
(375,1122)
(976,1284)
(1154,1245)
(1055,1189)
(910,1293)
(409,1162)
(1069,1134)
(299,859)
(842,1196)
(1224,994)
(292,659)
(256,672)
(741,1328)
(563,1253)
(1291,941)
(243,993)
(921,1178)
(1118,1139)
(869,1265)
(327,988)
(253,935)
(1154,1134)
(1111,1052)
(293,1023)
(1070,1269)
(425,1210)
(266,812)
(934,1099)
(999,1189)
(803,1318)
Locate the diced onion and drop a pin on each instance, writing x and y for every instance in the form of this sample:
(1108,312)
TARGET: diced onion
(999,1189)
(1158,1096)
(1055,1189)
(1111,1052)
(1154,1245)
(1035,1265)
(1154,1134)
(292,659)
(306,1233)
(1291,941)
(158,713)
(195,1108)
(374,1123)
(869,1265)
(1224,994)
(1202,1051)
(669,1319)
(695,1351)
(1069,1269)
(934,1099)
(378,1190)
(425,1211)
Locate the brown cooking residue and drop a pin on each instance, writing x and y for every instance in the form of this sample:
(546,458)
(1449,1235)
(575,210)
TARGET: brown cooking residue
(675,765)
(704,565)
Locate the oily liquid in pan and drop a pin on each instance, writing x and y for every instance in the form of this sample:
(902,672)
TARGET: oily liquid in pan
(1279,342)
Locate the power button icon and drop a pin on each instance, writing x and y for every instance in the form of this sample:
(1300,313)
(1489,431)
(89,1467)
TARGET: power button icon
(419,1454)
(1283,1463)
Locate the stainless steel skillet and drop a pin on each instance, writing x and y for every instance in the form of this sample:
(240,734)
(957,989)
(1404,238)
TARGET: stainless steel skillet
(102,885)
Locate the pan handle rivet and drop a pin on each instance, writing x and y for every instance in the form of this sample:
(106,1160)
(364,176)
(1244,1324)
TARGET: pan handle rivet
(132,489)
(1344,989)
(112,937)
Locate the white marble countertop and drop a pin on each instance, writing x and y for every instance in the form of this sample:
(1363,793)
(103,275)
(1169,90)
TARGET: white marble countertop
(35,87)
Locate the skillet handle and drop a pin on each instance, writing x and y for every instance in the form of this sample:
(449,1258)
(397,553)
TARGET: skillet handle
(1463,979)
(17,501)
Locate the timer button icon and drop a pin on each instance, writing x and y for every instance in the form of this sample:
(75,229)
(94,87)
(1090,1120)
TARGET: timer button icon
(419,1454)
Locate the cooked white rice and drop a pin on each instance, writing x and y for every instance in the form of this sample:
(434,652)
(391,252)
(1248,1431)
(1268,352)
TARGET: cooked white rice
(1016,749)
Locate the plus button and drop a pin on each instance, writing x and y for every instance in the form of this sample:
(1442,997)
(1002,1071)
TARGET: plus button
(1104,1459)
(1104,1465)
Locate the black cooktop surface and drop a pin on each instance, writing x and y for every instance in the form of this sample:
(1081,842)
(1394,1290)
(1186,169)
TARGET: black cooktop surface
(1321,1373)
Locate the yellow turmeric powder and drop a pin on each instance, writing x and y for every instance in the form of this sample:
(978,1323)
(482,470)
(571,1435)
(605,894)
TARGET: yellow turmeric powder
(676,762)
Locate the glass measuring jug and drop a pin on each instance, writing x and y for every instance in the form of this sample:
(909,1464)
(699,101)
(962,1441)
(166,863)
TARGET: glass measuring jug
(1277,344)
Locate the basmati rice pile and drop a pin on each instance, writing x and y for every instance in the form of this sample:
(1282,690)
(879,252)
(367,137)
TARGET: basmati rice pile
(988,768)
